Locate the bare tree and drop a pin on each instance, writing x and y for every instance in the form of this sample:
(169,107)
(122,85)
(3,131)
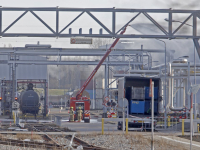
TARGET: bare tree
(98,42)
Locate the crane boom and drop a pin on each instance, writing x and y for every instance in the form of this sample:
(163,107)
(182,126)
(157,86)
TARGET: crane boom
(79,94)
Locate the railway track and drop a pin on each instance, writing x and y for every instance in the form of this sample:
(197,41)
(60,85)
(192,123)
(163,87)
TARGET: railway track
(49,143)
(12,142)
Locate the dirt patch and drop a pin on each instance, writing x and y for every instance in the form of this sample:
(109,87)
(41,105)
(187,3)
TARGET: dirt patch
(194,138)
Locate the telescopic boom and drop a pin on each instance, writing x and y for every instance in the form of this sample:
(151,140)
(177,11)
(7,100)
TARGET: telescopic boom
(79,94)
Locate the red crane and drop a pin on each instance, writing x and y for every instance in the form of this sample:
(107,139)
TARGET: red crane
(79,94)
(84,102)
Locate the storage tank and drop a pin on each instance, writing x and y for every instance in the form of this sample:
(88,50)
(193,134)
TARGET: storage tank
(29,101)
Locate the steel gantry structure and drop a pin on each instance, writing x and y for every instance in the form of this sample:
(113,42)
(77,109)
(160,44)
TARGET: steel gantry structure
(168,33)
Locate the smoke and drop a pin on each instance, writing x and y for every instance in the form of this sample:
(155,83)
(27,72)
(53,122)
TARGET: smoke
(69,76)
(191,4)
(182,47)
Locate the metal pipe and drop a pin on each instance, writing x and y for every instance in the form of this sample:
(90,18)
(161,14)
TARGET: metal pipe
(177,108)
(165,83)
(184,91)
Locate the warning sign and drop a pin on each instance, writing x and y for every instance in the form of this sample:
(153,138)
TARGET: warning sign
(80,41)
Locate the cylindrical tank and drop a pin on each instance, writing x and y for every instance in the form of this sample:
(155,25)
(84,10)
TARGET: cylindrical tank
(29,102)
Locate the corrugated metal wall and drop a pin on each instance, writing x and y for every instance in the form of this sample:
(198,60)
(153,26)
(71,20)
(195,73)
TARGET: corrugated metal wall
(25,71)
(99,94)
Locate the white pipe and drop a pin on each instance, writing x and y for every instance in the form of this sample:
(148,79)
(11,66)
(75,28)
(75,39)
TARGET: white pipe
(176,108)
(171,87)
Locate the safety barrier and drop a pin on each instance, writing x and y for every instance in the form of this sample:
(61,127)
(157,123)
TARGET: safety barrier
(173,123)
(196,123)
(141,120)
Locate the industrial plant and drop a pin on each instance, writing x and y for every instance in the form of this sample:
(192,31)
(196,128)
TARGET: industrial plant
(80,78)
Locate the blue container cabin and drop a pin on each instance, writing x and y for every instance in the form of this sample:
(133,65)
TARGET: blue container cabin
(155,93)
(136,107)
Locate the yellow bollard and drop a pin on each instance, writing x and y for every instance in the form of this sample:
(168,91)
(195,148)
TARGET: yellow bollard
(168,121)
(198,128)
(102,126)
(126,125)
(14,117)
(182,126)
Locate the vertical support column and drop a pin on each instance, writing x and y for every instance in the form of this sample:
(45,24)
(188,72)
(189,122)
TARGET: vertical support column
(108,76)
(188,86)
(170,24)
(169,92)
(106,80)
(13,86)
(45,98)
(10,68)
(194,24)
(180,91)
(195,109)
(176,81)
(152,116)
(142,56)
(184,91)
(57,22)
(0,94)
(0,22)
(191,119)
(172,90)
(113,21)
(93,104)
(105,86)
(194,34)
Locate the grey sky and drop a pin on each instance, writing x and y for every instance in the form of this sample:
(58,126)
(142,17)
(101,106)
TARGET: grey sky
(190,4)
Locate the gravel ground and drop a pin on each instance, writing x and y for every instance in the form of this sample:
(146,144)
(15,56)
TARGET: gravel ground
(14,137)
(135,141)
(61,140)
(7,147)
(194,138)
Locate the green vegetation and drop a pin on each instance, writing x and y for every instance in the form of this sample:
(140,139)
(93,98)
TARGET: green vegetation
(52,91)
(57,91)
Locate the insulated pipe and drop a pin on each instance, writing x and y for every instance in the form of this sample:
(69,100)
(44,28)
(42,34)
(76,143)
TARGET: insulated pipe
(177,108)
(170,69)
(171,89)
